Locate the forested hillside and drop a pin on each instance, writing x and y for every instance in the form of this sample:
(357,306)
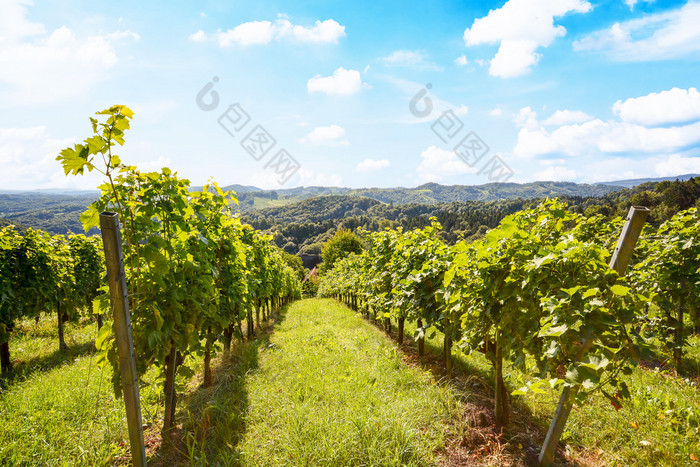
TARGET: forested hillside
(303,226)
(52,212)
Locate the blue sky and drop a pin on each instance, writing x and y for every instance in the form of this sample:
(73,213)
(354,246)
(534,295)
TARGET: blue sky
(574,90)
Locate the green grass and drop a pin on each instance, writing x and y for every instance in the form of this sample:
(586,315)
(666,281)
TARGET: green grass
(321,387)
(659,425)
(331,390)
(57,408)
(325,388)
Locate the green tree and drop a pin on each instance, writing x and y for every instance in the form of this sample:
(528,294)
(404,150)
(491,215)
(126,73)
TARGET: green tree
(341,245)
(295,262)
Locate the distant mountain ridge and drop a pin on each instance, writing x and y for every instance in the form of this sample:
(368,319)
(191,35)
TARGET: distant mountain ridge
(58,210)
(428,193)
(638,181)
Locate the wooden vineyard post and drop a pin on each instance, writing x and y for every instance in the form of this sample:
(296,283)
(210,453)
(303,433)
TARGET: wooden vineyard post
(112,242)
(621,257)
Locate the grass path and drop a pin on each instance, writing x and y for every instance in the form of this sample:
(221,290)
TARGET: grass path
(332,390)
(322,387)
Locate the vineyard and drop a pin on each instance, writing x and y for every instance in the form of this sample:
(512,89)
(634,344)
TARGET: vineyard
(228,365)
(195,273)
(537,294)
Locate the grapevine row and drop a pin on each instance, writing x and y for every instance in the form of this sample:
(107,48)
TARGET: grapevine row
(194,271)
(43,273)
(537,292)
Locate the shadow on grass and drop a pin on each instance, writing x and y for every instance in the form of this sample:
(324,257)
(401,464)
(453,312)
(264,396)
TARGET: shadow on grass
(25,369)
(213,420)
(659,359)
(473,440)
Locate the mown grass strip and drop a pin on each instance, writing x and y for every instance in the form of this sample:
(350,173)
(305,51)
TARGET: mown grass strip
(332,390)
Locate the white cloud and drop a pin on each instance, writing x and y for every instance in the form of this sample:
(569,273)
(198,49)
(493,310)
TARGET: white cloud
(662,36)
(28,159)
(155,165)
(526,118)
(632,3)
(309,177)
(332,135)
(496,112)
(328,31)
(461,60)
(48,67)
(514,58)
(662,108)
(403,58)
(409,58)
(556,174)
(371,165)
(520,27)
(563,117)
(250,33)
(665,165)
(440,163)
(677,164)
(13,22)
(199,36)
(263,32)
(461,110)
(343,82)
(597,136)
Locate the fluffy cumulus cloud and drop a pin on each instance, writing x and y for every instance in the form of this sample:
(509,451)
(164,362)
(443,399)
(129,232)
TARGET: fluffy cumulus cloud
(49,66)
(436,164)
(264,32)
(520,27)
(372,165)
(631,133)
(662,36)
(332,135)
(342,82)
(675,106)
(562,117)
(461,60)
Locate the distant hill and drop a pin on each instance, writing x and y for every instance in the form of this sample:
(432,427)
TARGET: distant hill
(429,193)
(304,225)
(53,191)
(58,211)
(236,188)
(638,181)
(316,209)
(55,213)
